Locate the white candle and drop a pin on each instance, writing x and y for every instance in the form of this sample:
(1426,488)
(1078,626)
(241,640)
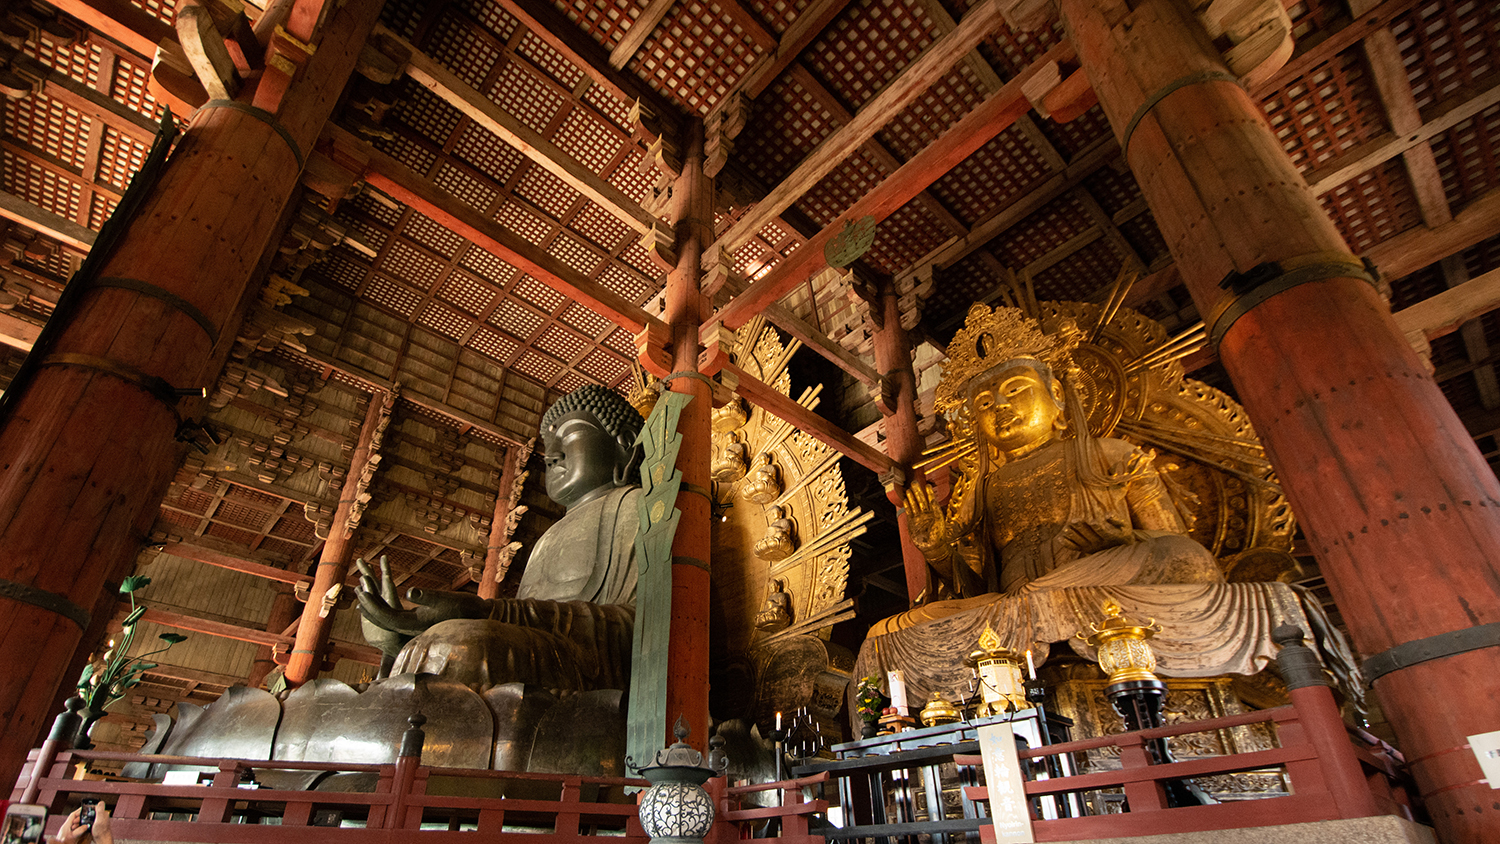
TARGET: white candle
(778,720)
(1030,666)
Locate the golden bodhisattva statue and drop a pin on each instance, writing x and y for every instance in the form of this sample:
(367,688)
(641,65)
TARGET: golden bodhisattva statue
(1039,500)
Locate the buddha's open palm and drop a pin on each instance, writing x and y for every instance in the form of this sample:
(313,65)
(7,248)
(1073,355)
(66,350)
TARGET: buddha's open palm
(928,523)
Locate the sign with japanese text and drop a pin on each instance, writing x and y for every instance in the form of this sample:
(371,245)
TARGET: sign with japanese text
(1002,775)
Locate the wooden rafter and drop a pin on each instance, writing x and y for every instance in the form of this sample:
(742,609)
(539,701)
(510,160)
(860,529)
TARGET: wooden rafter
(808,25)
(209,627)
(438,79)
(129,24)
(975,129)
(918,76)
(52,225)
(223,558)
(769,399)
(639,32)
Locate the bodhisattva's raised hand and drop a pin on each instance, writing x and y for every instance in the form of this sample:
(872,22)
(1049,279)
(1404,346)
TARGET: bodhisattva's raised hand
(929,525)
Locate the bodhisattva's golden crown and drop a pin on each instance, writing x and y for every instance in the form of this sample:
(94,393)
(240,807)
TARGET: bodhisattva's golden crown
(992,336)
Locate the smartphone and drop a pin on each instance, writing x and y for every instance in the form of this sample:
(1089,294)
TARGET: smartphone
(24,824)
(86,813)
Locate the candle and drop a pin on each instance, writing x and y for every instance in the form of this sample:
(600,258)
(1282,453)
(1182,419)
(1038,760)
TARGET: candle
(1030,666)
(778,720)
(898,691)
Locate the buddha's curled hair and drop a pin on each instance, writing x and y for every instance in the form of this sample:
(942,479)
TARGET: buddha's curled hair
(613,412)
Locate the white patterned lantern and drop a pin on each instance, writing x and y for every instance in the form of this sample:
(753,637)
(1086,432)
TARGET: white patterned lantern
(676,809)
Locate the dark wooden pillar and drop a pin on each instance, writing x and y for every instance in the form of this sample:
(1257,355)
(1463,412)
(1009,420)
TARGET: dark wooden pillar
(903,444)
(1393,494)
(306,659)
(89,448)
(498,554)
(283,612)
(687,669)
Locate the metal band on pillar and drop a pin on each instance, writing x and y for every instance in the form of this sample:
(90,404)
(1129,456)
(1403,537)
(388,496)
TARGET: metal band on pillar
(263,116)
(1248,289)
(176,302)
(150,384)
(687,373)
(1433,647)
(1167,90)
(49,601)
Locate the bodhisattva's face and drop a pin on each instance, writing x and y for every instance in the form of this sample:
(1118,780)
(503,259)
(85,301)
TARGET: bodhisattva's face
(581,459)
(1016,408)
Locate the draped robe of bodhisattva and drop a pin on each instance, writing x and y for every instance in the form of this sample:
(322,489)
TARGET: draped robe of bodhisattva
(570,626)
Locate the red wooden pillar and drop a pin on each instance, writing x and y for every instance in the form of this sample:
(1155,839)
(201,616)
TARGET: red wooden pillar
(1393,494)
(283,612)
(311,643)
(489,582)
(687,668)
(88,451)
(903,444)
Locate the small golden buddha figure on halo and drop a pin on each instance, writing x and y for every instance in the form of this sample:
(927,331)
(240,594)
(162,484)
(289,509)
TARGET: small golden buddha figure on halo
(763,484)
(777,614)
(731,458)
(1040,503)
(780,540)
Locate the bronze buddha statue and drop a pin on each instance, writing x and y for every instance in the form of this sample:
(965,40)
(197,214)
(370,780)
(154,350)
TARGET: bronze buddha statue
(571,623)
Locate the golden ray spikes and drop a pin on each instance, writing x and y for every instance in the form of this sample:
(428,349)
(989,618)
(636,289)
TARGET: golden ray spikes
(1117,292)
(948,452)
(1184,446)
(1178,347)
(645,390)
(1023,291)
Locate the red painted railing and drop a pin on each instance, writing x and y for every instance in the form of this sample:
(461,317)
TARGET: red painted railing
(402,803)
(1330,777)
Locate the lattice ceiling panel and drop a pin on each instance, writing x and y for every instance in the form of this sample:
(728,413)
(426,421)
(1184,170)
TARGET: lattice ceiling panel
(606,21)
(412,265)
(786,124)
(412,153)
(427,232)
(525,95)
(483,150)
(547,192)
(1080,275)
(560,343)
(1047,229)
(487,265)
(1114,189)
(472,190)
(583,320)
(524,222)
(988,180)
(445,321)
(1144,236)
(1373,206)
(1012,52)
(403,16)
(516,319)
(536,293)
(41,187)
(696,54)
(600,227)
(942,105)
(1327,111)
(588,140)
(554,64)
(48,126)
(392,296)
(464,48)
(492,17)
(129,86)
(493,344)
(119,157)
(957,287)
(638,258)
(1413,288)
(905,236)
(626,283)
(386,212)
(77,60)
(1439,64)
(867,46)
(575,254)
(1078,134)
(1314,16)
(538,367)
(467,293)
(1468,157)
(842,188)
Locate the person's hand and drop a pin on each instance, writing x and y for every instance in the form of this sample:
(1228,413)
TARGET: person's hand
(71,830)
(102,834)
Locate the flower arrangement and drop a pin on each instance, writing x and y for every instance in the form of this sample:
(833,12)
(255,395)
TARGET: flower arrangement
(868,699)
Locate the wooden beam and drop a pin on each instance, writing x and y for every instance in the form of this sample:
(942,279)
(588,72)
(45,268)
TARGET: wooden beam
(782,318)
(547,23)
(1372,154)
(192,676)
(52,225)
(763,395)
(932,65)
(17,332)
(1084,165)
(432,75)
(1447,312)
(405,185)
(122,21)
(208,627)
(639,32)
(226,560)
(973,131)
(808,25)
(1414,249)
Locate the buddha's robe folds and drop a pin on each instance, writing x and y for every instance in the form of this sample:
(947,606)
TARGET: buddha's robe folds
(571,624)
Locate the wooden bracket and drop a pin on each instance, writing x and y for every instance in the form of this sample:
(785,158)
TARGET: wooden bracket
(653,348)
(173,81)
(286,55)
(204,46)
(717,342)
(661,244)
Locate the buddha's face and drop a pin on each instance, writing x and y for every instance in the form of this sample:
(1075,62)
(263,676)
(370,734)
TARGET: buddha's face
(1015,407)
(581,459)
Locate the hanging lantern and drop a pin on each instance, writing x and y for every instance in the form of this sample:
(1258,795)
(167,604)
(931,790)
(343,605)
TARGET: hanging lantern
(998,670)
(1121,644)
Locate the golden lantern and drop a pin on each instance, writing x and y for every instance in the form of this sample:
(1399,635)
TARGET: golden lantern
(1121,645)
(999,672)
